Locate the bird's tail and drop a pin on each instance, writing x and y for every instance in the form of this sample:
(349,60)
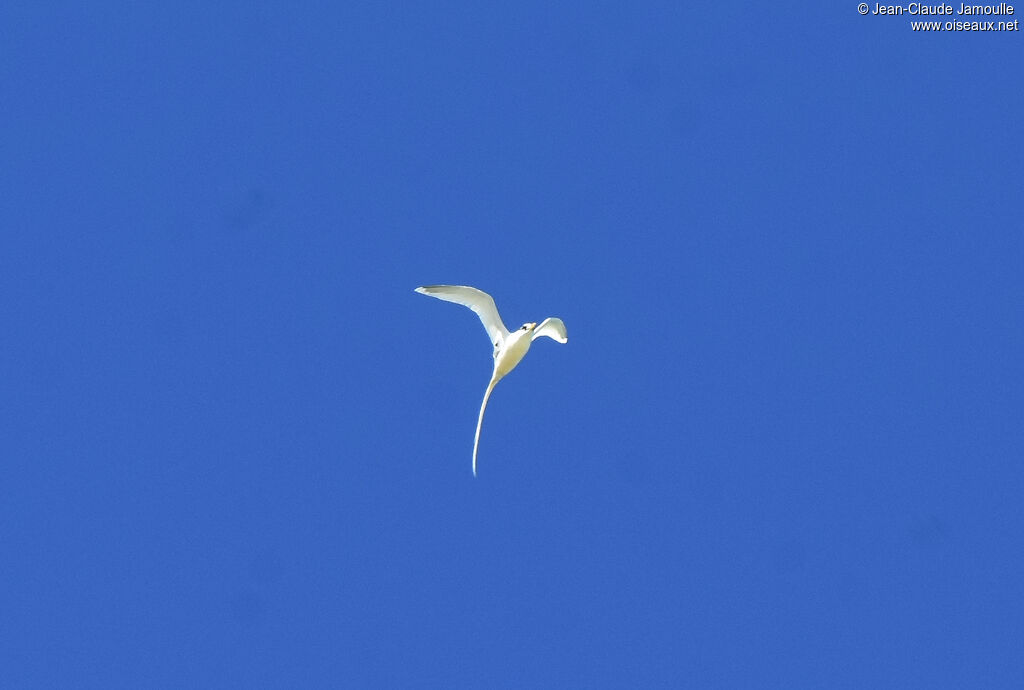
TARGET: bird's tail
(480,420)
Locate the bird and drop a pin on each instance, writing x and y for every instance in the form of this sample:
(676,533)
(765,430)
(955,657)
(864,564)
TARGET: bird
(509,348)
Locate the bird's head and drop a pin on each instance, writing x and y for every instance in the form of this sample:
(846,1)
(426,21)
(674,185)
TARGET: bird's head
(529,326)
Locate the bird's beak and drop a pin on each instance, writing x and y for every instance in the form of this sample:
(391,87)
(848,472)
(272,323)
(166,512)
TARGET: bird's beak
(532,325)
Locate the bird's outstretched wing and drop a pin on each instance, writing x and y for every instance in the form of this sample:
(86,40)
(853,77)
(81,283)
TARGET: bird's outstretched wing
(477,300)
(553,328)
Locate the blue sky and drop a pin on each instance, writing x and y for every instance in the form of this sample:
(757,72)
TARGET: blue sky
(782,447)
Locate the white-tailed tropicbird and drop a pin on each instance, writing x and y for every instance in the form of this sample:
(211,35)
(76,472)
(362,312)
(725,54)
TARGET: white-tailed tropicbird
(509,348)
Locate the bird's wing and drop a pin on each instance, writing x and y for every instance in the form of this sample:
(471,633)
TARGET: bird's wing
(477,300)
(553,328)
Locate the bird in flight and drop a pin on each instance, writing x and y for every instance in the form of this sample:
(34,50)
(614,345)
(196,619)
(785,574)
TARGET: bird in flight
(509,348)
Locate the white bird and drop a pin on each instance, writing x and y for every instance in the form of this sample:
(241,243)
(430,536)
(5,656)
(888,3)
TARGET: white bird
(509,348)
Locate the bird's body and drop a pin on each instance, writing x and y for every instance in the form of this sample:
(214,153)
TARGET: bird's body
(509,348)
(512,351)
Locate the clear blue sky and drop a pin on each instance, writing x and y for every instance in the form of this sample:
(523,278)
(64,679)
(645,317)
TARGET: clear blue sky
(782,447)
